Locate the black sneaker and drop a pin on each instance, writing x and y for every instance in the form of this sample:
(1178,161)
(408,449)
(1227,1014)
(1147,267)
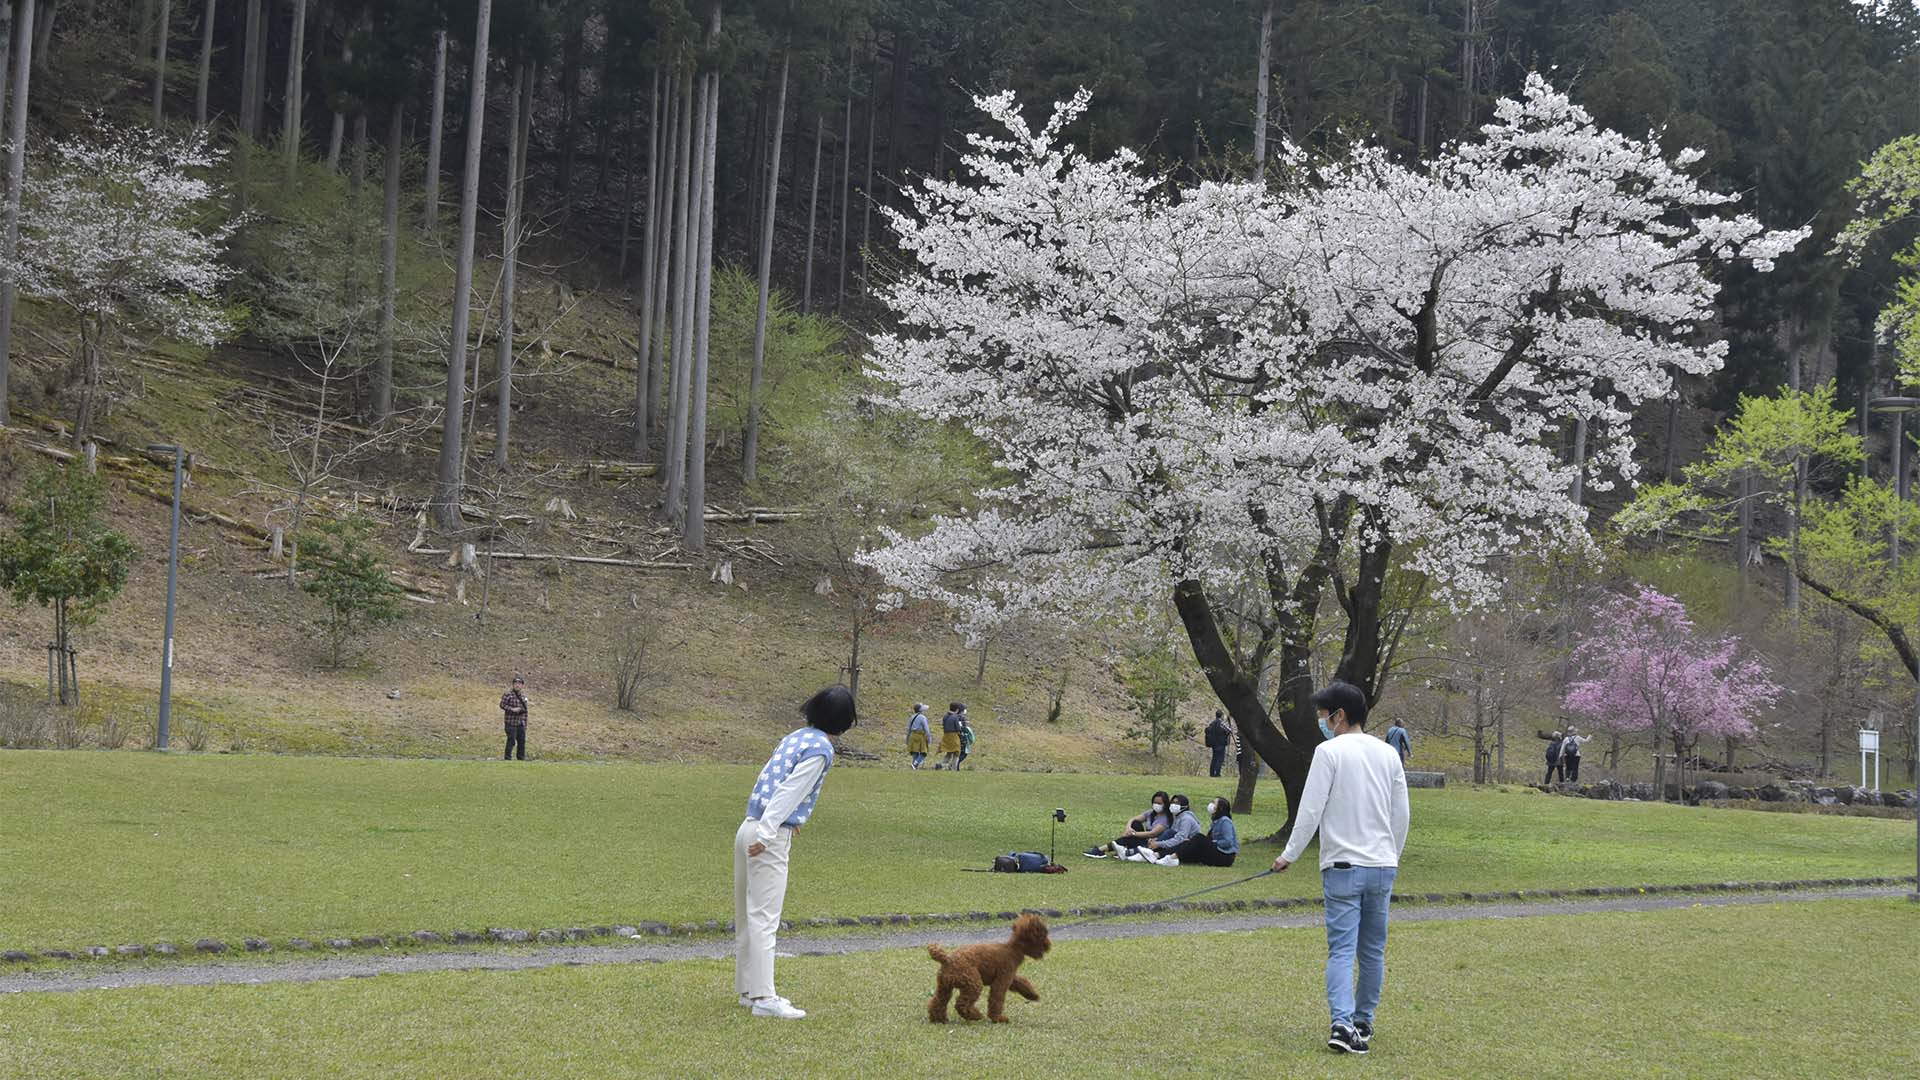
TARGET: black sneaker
(1345,1040)
(1365,1030)
(1095,853)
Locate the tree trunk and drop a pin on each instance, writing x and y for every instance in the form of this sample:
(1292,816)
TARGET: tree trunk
(684,212)
(161,34)
(1469,31)
(446,503)
(43,36)
(206,64)
(846,189)
(263,31)
(750,440)
(249,64)
(696,523)
(16,174)
(569,105)
(643,355)
(389,270)
(664,202)
(626,193)
(1288,747)
(520,104)
(339,118)
(1263,81)
(866,183)
(813,208)
(6,57)
(896,104)
(92,344)
(290,109)
(435,128)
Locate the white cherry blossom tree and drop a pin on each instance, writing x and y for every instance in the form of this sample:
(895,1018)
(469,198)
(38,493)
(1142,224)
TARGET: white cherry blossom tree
(120,227)
(1283,390)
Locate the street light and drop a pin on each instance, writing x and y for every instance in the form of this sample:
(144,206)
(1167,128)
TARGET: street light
(173,574)
(1899,407)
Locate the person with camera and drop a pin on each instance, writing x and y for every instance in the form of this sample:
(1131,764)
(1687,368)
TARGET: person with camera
(513,704)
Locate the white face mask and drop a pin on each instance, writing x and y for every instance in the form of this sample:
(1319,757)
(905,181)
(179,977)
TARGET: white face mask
(1156,808)
(1178,809)
(1214,809)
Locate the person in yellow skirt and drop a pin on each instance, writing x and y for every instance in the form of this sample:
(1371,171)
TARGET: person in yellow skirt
(918,734)
(950,726)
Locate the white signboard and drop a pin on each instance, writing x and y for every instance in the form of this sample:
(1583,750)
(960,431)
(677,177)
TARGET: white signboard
(1869,740)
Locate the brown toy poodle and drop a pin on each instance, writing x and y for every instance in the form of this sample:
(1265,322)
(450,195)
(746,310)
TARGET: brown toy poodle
(966,971)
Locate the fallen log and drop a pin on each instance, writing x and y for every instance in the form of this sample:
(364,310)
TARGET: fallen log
(535,556)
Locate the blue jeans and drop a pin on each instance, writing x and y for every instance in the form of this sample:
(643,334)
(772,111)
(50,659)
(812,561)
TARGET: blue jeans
(1357,900)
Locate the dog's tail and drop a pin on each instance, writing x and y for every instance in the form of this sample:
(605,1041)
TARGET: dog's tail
(939,954)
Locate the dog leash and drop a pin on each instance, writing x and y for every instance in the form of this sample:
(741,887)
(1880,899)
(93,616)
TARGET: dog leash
(1172,900)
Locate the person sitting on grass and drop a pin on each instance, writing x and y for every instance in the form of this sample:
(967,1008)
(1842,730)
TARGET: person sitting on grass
(1181,829)
(781,802)
(1140,830)
(1215,847)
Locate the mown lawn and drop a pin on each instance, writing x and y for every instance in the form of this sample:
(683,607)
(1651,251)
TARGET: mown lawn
(110,848)
(1776,990)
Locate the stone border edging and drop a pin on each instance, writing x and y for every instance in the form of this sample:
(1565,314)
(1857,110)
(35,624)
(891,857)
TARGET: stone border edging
(556,935)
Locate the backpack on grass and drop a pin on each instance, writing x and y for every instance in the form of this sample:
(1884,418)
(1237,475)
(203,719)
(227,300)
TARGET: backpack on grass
(1020,862)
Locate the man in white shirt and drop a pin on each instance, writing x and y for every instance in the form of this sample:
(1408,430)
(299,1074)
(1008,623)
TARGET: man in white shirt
(1356,799)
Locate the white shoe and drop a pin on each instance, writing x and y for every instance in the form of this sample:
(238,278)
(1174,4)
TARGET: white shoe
(1138,855)
(779,1008)
(1169,860)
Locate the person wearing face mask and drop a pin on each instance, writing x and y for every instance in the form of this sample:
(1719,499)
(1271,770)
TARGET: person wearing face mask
(1216,847)
(1356,799)
(781,802)
(1139,831)
(1181,829)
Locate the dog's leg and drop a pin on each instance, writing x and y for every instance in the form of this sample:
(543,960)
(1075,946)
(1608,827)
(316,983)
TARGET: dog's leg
(969,994)
(937,1008)
(1025,989)
(997,1003)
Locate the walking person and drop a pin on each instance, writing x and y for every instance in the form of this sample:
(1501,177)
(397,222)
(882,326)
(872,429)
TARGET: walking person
(782,801)
(919,735)
(950,737)
(514,704)
(1356,799)
(966,739)
(1400,740)
(1219,737)
(1570,755)
(1554,744)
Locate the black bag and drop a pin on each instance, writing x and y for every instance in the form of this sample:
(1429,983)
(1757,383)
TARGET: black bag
(1020,862)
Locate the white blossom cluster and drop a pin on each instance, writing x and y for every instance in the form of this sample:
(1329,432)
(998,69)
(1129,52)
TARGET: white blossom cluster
(1184,382)
(118,226)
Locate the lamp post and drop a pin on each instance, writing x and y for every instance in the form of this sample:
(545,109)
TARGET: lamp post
(1899,407)
(173,575)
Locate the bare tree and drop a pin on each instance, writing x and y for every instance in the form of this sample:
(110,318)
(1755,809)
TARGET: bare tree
(16,173)
(750,440)
(389,269)
(522,105)
(161,33)
(446,499)
(695,530)
(206,63)
(435,127)
(296,71)
(813,208)
(643,353)
(684,210)
(637,660)
(1262,87)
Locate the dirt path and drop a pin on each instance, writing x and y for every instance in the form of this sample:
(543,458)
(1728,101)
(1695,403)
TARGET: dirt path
(800,943)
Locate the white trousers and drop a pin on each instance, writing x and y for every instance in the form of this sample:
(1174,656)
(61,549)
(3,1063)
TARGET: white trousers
(759,892)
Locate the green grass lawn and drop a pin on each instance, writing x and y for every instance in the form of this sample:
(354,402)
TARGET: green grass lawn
(107,848)
(1774,990)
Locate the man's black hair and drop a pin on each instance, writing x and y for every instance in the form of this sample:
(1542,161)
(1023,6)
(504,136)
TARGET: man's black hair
(831,710)
(1340,697)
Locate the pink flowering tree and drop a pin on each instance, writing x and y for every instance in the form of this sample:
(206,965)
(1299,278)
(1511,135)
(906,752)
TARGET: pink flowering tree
(1647,668)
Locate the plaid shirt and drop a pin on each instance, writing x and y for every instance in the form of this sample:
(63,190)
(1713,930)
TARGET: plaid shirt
(514,704)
